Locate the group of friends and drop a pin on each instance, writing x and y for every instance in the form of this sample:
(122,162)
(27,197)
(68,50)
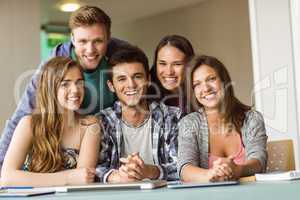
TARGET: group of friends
(96,111)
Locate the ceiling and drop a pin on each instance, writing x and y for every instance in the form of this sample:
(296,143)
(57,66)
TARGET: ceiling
(120,11)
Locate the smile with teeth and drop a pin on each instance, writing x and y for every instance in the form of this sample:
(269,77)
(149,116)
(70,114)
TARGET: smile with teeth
(133,92)
(210,96)
(170,79)
(73,98)
(91,58)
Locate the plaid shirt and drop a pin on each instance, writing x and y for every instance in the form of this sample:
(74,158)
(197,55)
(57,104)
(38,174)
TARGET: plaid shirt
(164,131)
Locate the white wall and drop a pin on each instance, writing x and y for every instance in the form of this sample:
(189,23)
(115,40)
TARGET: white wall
(19,49)
(295,15)
(274,69)
(215,27)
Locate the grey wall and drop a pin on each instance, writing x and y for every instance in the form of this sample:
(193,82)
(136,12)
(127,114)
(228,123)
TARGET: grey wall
(19,49)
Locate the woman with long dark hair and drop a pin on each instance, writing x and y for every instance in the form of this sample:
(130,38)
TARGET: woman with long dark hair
(171,55)
(225,139)
(54,145)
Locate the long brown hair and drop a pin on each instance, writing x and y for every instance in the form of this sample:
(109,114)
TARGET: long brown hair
(232,109)
(47,119)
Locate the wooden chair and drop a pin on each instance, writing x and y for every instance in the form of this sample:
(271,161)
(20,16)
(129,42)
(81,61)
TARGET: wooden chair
(280,155)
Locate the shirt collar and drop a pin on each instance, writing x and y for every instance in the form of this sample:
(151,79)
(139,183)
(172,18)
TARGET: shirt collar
(153,107)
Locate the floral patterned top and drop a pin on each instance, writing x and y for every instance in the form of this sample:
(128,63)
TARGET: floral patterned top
(70,156)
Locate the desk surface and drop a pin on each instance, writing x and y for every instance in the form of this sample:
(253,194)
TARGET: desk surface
(284,190)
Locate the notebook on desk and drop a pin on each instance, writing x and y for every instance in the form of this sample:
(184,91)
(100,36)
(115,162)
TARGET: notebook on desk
(278,176)
(151,184)
(179,184)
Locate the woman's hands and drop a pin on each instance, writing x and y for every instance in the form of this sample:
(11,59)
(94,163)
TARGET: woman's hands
(224,169)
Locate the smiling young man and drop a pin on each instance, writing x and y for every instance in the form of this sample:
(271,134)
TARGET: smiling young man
(139,138)
(90,45)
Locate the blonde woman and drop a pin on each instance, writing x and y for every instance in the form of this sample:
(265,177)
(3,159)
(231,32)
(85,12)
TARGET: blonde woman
(53,146)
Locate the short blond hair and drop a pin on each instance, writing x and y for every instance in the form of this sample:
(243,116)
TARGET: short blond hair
(89,15)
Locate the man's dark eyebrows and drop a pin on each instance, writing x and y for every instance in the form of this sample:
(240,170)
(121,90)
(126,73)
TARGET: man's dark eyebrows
(178,61)
(120,76)
(138,73)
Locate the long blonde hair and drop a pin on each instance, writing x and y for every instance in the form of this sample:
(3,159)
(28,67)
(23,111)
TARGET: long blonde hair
(47,121)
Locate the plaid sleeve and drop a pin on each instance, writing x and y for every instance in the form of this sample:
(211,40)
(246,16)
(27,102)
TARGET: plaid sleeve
(171,144)
(106,155)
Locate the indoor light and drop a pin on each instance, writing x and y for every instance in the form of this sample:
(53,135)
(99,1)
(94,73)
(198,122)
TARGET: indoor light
(69,6)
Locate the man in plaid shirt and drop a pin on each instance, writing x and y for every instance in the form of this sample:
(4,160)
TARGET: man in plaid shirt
(139,138)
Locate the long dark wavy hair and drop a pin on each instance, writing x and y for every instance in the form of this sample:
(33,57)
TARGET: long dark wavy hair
(156,90)
(232,109)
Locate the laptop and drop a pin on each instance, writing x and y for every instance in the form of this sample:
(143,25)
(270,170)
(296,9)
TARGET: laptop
(142,185)
(179,184)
